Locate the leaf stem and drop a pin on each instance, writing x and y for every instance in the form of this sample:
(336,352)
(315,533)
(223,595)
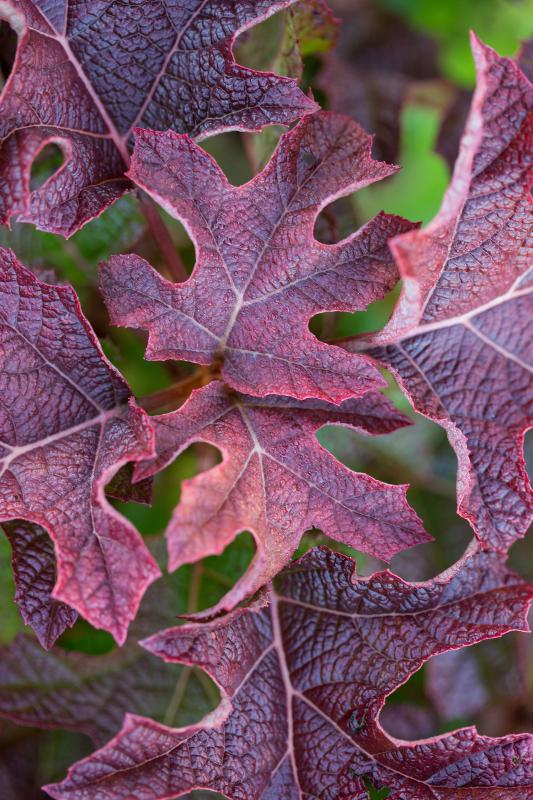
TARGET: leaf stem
(249,152)
(177,391)
(162,238)
(186,673)
(177,698)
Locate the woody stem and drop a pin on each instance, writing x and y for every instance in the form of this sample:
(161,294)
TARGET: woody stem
(177,391)
(162,238)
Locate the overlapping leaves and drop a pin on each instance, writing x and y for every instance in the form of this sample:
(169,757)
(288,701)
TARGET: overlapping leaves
(305,668)
(91,694)
(68,424)
(459,340)
(260,273)
(304,672)
(86,73)
(35,577)
(277,481)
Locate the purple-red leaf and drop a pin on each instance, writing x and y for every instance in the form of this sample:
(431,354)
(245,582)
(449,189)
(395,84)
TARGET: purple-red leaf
(67,425)
(77,692)
(304,672)
(92,693)
(86,74)
(460,337)
(34,569)
(277,481)
(260,273)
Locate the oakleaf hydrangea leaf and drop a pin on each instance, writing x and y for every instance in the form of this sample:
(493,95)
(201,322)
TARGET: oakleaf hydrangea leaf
(260,273)
(460,338)
(87,73)
(304,672)
(78,692)
(67,424)
(277,481)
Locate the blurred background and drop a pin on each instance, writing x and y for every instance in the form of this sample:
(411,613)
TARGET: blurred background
(403,69)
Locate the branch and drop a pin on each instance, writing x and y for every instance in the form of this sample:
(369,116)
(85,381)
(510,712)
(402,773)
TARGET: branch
(162,238)
(249,152)
(177,391)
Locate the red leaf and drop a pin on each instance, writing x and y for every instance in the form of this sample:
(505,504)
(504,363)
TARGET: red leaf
(260,274)
(459,340)
(276,481)
(120,64)
(34,568)
(304,672)
(68,423)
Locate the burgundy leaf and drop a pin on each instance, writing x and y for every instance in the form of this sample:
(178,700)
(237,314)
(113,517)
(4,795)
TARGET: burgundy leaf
(455,685)
(454,120)
(34,568)
(155,63)
(19,757)
(304,672)
(409,721)
(459,340)
(260,274)
(91,693)
(276,481)
(489,683)
(68,423)
(77,692)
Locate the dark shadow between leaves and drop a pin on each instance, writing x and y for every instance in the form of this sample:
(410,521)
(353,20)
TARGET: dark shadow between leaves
(154,518)
(221,572)
(8,50)
(335,222)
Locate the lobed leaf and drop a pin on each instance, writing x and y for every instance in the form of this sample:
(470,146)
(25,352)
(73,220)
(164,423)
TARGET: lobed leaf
(68,423)
(90,694)
(304,672)
(260,273)
(459,339)
(78,692)
(19,754)
(86,74)
(277,481)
